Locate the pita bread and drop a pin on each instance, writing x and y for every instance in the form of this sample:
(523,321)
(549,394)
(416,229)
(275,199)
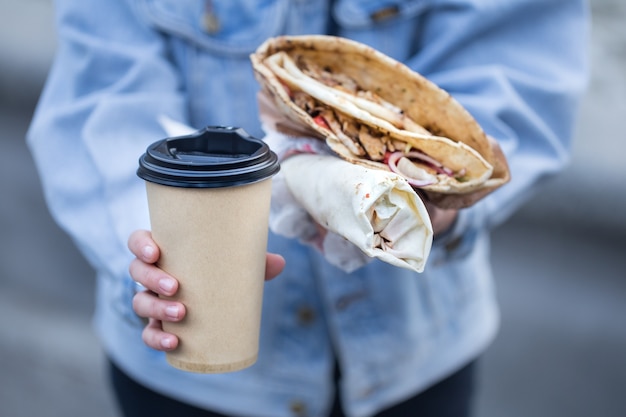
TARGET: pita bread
(391,102)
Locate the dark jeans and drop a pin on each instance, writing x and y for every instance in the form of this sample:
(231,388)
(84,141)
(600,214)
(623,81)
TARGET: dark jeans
(451,397)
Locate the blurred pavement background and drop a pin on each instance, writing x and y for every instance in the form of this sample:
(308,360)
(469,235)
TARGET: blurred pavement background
(560,262)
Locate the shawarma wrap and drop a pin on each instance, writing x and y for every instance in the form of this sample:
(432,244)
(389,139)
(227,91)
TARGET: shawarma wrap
(374,111)
(375,210)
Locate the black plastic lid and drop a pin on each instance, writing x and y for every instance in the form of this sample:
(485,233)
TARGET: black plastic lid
(216,156)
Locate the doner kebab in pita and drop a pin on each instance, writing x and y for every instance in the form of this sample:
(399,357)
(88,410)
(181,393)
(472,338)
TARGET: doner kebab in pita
(376,112)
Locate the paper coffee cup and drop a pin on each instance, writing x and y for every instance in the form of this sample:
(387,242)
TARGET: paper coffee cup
(209,197)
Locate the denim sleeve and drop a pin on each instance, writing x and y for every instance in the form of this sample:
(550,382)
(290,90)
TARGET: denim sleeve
(520,68)
(109,82)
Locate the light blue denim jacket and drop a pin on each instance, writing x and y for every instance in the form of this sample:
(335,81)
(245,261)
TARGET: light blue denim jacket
(517,65)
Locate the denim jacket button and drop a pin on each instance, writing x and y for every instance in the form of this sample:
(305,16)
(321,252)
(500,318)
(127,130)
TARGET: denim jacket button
(298,408)
(305,315)
(210,23)
(384,13)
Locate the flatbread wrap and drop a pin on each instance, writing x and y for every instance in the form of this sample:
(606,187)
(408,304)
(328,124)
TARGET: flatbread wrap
(377,211)
(374,111)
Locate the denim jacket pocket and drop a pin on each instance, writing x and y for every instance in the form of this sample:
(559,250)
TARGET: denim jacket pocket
(365,14)
(226,27)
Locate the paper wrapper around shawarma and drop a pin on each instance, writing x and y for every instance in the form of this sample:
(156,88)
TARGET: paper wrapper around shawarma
(377,211)
(455,137)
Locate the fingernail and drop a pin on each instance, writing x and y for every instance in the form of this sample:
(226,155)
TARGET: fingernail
(167,343)
(166,285)
(172,311)
(147,251)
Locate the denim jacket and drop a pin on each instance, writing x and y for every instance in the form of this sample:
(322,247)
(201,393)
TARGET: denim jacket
(519,66)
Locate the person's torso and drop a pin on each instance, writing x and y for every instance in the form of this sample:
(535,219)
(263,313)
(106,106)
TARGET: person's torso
(381,323)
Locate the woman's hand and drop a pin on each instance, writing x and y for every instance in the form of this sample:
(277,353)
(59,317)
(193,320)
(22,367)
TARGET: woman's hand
(441,219)
(147,304)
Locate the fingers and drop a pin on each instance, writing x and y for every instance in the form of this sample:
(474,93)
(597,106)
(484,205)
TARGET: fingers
(153,278)
(441,219)
(147,304)
(142,268)
(154,336)
(143,247)
(273,266)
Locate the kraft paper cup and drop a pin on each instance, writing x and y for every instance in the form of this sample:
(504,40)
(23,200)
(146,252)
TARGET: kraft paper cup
(209,198)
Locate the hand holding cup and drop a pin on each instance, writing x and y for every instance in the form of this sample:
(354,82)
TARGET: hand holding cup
(209,197)
(147,304)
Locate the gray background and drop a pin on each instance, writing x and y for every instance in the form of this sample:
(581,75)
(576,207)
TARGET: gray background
(559,262)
